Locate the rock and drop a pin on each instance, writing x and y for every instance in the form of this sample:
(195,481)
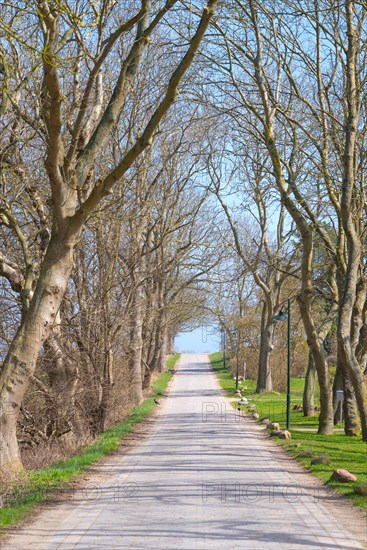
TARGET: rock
(243,401)
(238,392)
(361,489)
(294,445)
(322,459)
(265,421)
(255,416)
(343,476)
(305,454)
(285,434)
(274,426)
(275,433)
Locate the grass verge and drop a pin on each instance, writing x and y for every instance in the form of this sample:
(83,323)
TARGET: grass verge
(35,486)
(349,453)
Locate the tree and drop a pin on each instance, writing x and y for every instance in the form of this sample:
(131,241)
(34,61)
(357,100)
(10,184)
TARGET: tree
(73,139)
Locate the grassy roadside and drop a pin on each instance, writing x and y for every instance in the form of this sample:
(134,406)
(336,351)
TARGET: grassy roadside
(35,486)
(349,453)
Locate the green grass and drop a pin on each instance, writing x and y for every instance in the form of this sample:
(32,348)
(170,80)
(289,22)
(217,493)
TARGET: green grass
(35,486)
(345,452)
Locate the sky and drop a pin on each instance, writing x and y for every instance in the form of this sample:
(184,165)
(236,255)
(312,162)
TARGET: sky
(205,339)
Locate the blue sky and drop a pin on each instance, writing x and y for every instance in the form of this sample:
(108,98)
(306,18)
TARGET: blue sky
(205,339)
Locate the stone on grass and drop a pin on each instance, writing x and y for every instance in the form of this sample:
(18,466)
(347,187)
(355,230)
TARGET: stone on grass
(361,489)
(283,434)
(294,445)
(322,459)
(243,401)
(342,475)
(305,454)
(265,421)
(274,426)
(275,433)
(255,416)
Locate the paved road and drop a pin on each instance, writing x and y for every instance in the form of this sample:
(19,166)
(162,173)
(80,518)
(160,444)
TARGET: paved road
(200,479)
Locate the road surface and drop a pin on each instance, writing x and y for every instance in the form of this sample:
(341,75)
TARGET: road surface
(202,478)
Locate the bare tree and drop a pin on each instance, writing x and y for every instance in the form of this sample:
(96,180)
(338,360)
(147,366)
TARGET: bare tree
(70,161)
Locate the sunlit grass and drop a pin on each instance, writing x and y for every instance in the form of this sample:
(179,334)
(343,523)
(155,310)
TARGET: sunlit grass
(349,453)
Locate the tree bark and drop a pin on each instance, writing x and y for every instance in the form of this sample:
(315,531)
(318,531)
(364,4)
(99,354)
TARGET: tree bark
(136,343)
(63,375)
(352,425)
(348,325)
(337,385)
(305,304)
(20,362)
(264,379)
(309,389)
(154,363)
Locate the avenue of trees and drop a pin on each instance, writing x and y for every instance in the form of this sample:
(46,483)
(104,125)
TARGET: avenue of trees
(164,164)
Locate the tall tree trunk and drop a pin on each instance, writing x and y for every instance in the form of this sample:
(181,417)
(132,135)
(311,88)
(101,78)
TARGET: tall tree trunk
(107,383)
(136,343)
(351,309)
(148,328)
(309,389)
(20,362)
(163,350)
(322,368)
(264,380)
(154,363)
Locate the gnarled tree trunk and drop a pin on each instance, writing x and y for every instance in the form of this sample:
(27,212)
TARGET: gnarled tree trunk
(20,362)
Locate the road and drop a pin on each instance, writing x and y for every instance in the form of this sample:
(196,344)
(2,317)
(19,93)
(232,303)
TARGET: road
(202,478)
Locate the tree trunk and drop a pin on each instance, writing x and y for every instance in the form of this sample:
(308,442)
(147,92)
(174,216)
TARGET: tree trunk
(309,389)
(352,425)
(351,308)
(136,347)
(337,385)
(154,364)
(351,421)
(170,343)
(148,327)
(20,362)
(107,383)
(264,380)
(63,375)
(323,373)
(163,350)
